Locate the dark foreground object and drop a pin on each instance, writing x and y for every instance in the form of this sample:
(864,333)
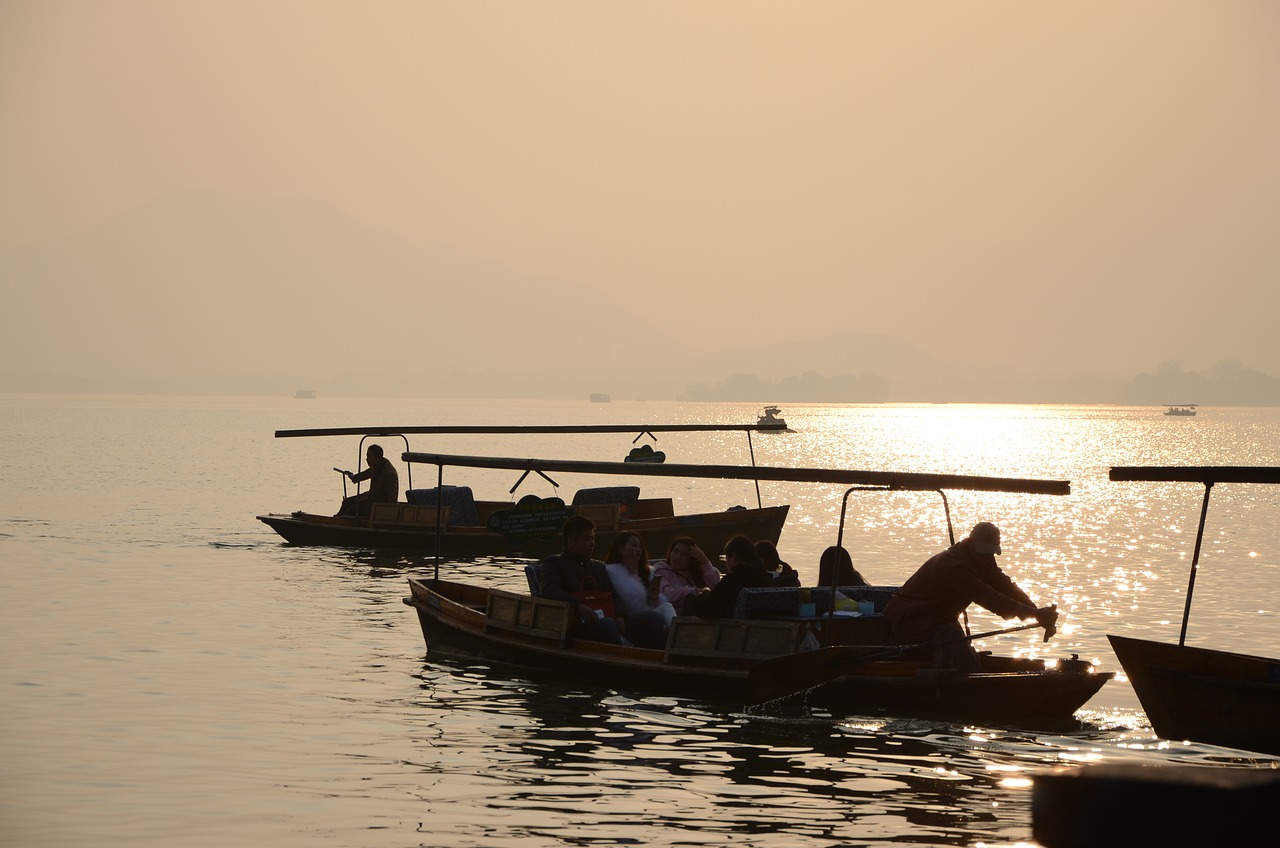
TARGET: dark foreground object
(1165,806)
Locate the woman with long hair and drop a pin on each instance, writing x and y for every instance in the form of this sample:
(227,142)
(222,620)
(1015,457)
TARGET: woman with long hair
(627,565)
(684,574)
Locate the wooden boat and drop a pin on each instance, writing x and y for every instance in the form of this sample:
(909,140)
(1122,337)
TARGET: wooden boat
(715,659)
(759,654)
(1181,409)
(449,520)
(1198,694)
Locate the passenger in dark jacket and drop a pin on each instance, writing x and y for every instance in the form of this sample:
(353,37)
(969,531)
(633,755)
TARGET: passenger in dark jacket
(573,570)
(744,571)
(781,572)
(928,606)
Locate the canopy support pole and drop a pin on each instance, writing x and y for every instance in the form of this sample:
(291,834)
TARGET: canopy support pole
(1195,563)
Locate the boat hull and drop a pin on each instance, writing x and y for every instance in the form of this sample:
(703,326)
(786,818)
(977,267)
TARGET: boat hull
(455,622)
(1202,695)
(711,529)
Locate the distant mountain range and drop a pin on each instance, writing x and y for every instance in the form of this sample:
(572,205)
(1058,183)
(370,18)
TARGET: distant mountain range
(204,294)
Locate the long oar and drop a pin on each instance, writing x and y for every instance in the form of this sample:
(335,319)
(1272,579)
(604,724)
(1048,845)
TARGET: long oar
(784,676)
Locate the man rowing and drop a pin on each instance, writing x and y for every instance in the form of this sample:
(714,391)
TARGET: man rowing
(928,606)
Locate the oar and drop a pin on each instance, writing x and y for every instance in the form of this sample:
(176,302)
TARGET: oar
(784,676)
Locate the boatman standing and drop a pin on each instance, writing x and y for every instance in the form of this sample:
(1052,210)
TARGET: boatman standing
(928,606)
(384,484)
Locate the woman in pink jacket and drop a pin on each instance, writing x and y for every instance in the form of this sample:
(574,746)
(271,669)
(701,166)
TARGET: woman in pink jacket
(684,573)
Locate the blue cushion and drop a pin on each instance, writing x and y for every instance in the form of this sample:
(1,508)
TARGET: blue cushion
(461,503)
(607,495)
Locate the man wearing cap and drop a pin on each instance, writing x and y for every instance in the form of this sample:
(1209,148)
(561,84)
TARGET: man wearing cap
(928,606)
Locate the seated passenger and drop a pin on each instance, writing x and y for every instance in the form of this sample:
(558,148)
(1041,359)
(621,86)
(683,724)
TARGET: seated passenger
(836,563)
(744,571)
(684,574)
(644,624)
(782,573)
(573,570)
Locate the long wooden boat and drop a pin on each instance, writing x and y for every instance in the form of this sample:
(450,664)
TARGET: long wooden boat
(714,659)
(738,658)
(1198,694)
(451,521)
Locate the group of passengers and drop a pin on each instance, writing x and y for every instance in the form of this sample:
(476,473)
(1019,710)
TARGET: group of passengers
(646,597)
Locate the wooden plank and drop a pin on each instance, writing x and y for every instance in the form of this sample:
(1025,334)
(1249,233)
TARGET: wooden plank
(729,639)
(524,615)
(409,514)
(603,516)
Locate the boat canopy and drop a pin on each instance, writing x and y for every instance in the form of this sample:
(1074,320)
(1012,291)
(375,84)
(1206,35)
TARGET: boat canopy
(1208,476)
(517,429)
(881,479)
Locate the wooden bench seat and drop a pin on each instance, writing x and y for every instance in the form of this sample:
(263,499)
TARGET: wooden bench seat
(542,618)
(409,514)
(729,640)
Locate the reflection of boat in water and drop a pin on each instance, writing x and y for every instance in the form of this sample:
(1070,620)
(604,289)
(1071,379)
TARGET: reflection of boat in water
(449,519)
(1181,409)
(304,394)
(771,420)
(600,397)
(1209,696)
(757,655)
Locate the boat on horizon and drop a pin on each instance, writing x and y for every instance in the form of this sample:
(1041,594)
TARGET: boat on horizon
(1200,694)
(1181,409)
(599,397)
(760,655)
(304,394)
(449,520)
(769,418)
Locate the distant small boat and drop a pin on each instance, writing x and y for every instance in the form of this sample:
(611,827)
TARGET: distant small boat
(1181,409)
(304,394)
(600,397)
(770,418)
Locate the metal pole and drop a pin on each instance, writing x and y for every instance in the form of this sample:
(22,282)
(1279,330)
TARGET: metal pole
(1195,563)
(439,514)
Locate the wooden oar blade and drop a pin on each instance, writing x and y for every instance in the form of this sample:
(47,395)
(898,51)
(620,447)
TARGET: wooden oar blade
(789,674)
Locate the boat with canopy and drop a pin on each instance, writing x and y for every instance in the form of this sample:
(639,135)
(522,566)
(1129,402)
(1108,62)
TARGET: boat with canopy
(452,521)
(1201,694)
(764,653)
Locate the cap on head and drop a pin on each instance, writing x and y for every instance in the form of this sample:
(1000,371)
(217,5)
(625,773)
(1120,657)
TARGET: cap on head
(985,537)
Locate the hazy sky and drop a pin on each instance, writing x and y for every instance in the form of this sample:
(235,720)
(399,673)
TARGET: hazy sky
(304,188)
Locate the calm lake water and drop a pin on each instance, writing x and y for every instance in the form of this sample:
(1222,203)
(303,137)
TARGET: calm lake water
(175,675)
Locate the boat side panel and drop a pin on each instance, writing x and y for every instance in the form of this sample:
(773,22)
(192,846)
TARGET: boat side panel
(1214,697)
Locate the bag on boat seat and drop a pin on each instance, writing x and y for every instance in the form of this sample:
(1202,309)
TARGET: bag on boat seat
(461,503)
(600,602)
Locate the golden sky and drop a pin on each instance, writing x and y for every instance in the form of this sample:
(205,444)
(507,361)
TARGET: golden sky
(1084,188)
